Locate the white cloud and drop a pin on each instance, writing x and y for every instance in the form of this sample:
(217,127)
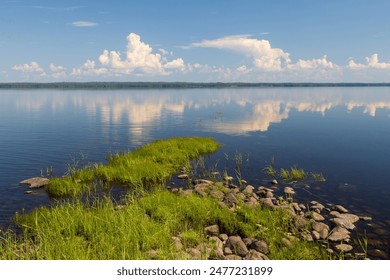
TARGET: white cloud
(371,62)
(139,60)
(32,68)
(84,24)
(264,57)
(314,63)
(55,68)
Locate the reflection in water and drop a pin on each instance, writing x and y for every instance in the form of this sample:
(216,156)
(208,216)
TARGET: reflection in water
(245,110)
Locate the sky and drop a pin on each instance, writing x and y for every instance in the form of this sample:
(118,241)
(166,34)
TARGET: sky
(195,40)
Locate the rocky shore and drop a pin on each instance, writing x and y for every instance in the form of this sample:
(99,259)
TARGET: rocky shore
(331,226)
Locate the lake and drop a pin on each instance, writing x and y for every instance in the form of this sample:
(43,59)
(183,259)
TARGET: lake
(341,132)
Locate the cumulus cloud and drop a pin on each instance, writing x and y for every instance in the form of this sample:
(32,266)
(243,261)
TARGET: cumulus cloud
(32,68)
(84,24)
(139,59)
(314,63)
(263,55)
(371,62)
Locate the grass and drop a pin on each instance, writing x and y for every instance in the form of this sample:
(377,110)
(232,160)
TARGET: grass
(151,164)
(294,173)
(76,230)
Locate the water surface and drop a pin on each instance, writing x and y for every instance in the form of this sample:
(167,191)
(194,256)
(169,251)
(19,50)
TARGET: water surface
(341,132)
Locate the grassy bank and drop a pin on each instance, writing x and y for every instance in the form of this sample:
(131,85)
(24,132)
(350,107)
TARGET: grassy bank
(147,223)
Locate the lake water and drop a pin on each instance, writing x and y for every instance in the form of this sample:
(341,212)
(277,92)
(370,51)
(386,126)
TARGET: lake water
(342,132)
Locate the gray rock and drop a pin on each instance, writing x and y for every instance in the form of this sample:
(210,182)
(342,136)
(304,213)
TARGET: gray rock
(287,243)
(289,191)
(182,176)
(274,182)
(340,209)
(230,199)
(28,192)
(334,213)
(232,257)
(302,206)
(217,194)
(35,182)
(212,230)
(339,234)
(318,226)
(317,217)
(255,255)
(153,254)
(251,202)
(201,190)
(316,235)
(365,218)
(236,244)
(177,243)
(195,254)
(344,247)
(187,192)
(324,233)
(223,236)
(296,207)
(227,251)
(343,223)
(300,222)
(228,178)
(203,181)
(248,190)
(267,202)
(260,246)
(217,242)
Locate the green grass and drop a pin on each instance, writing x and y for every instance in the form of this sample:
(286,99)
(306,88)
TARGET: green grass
(75,230)
(151,164)
(294,173)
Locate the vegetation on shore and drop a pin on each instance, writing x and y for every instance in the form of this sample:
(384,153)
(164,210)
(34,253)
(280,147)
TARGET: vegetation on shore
(144,224)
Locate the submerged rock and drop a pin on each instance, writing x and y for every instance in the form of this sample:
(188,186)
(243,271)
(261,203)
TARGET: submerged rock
(35,182)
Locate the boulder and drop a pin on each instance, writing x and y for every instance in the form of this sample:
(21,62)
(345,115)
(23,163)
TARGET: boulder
(248,190)
(230,199)
(339,234)
(232,257)
(317,217)
(255,255)
(237,246)
(267,202)
(35,182)
(212,230)
(260,246)
(217,194)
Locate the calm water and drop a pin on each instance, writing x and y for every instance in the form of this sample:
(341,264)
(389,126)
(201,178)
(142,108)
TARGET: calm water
(342,132)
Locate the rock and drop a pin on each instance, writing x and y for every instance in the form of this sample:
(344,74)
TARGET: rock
(340,209)
(228,178)
(217,242)
(274,182)
(204,249)
(35,182)
(182,176)
(174,190)
(251,202)
(318,206)
(255,255)
(316,235)
(240,196)
(289,191)
(287,243)
(248,190)
(317,217)
(212,230)
(227,251)
(307,236)
(177,243)
(378,254)
(260,246)
(248,241)
(223,236)
(200,190)
(302,206)
(344,247)
(243,181)
(28,192)
(296,207)
(187,192)
(230,199)
(269,194)
(318,226)
(217,194)
(343,223)
(267,202)
(215,173)
(324,233)
(153,254)
(236,244)
(300,222)
(349,217)
(365,218)
(334,213)
(232,257)
(203,181)
(339,234)
(194,253)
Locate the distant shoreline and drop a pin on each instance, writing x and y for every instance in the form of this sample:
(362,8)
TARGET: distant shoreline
(174,85)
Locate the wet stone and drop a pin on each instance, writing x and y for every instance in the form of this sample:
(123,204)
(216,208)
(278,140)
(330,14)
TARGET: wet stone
(339,234)
(35,182)
(340,209)
(344,247)
(182,176)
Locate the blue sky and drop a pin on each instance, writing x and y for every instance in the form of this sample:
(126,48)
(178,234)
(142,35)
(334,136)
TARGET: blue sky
(172,40)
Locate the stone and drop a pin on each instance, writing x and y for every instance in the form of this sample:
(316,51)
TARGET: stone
(182,176)
(340,209)
(260,246)
(212,230)
(228,178)
(318,206)
(317,217)
(248,190)
(195,254)
(217,242)
(307,236)
(300,222)
(324,233)
(217,194)
(255,255)
(230,199)
(153,254)
(302,206)
(267,202)
(251,202)
(232,257)
(236,244)
(289,191)
(203,181)
(200,190)
(365,218)
(240,196)
(269,194)
(223,236)
(316,235)
(177,243)
(296,207)
(334,213)
(35,182)
(287,243)
(204,249)
(274,182)
(344,247)
(318,226)
(248,241)
(227,251)
(28,192)
(187,192)
(343,223)
(339,234)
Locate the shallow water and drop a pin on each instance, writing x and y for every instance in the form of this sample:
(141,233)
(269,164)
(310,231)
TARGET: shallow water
(341,132)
